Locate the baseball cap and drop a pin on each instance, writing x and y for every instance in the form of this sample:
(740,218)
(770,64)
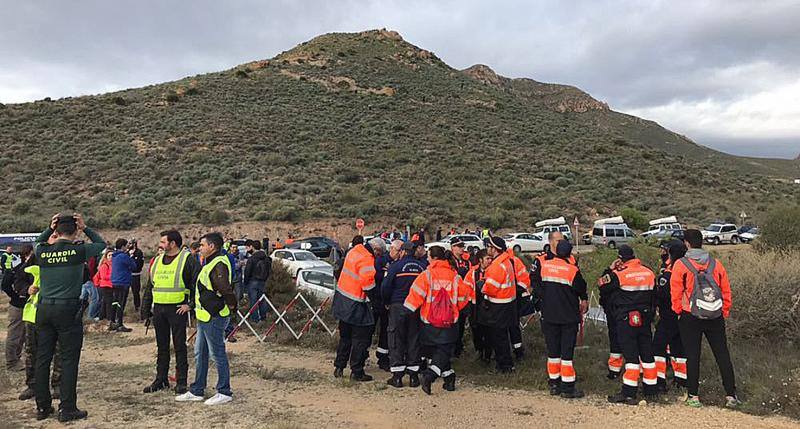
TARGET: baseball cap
(626,252)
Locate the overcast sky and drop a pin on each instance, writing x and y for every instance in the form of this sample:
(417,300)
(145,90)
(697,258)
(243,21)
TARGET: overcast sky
(725,73)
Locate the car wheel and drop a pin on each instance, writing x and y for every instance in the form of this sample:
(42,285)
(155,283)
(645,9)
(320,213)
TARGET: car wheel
(612,245)
(716,241)
(734,240)
(517,249)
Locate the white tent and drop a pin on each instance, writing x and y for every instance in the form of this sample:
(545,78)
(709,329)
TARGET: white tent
(548,222)
(670,219)
(616,220)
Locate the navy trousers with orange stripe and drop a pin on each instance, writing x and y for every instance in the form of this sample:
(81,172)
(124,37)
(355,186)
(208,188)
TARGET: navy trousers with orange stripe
(637,348)
(560,340)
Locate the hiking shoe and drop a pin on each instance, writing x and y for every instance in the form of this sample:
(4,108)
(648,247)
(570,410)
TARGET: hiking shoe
(425,383)
(181,389)
(360,376)
(395,381)
(612,375)
(232,340)
(338,372)
(123,328)
(27,394)
(732,402)
(449,383)
(694,402)
(413,380)
(112,327)
(43,413)
(555,390)
(620,398)
(218,399)
(155,387)
(68,416)
(189,397)
(573,394)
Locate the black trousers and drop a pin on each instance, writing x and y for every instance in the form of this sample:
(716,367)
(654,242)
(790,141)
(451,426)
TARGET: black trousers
(614,349)
(136,286)
(353,345)
(123,301)
(382,325)
(692,330)
(667,333)
(459,345)
(441,356)
(58,322)
(515,336)
(113,298)
(637,348)
(560,342)
(404,347)
(167,323)
(502,347)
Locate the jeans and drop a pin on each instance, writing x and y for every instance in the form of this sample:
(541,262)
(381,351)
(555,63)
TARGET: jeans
(211,337)
(255,288)
(90,292)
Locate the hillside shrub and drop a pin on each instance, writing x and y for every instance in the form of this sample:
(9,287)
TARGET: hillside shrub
(634,218)
(781,229)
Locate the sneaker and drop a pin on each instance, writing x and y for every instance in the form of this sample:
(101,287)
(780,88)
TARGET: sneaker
(123,328)
(573,394)
(694,402)
(413,380)
(218,399)
(732,402)
(76,414)
(620,398)
(43,413)
(338,372)
(360,376)
(155,387)
(27,394)
(189,397)
(181,389)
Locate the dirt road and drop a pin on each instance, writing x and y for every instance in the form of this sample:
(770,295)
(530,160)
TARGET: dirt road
(287,387)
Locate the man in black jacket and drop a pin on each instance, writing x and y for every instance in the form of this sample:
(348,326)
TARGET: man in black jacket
(256,273)
(136,276)
(15,286)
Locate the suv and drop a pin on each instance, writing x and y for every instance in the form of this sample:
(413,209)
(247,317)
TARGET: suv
(612,235)
(661,229)
(546,230)
(717,233)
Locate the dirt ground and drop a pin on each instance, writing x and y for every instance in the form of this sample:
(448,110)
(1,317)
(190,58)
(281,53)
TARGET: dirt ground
(291,387)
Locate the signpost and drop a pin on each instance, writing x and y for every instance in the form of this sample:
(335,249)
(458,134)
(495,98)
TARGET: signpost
(743,216)
(360,225)
(576,224)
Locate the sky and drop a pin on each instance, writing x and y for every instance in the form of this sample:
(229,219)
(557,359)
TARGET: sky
(725,73)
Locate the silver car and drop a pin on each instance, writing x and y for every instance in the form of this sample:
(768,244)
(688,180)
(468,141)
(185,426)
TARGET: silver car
(612,235)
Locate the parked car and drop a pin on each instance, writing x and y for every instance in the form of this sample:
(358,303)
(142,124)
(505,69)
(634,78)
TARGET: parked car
(320,246)
(526,242)
(545,227)
(472,243)
(667,234)
(750,235)
(320,283)
(611,232)
(385,240)
(659,227)
(296,259)
(587,238)
(718,233)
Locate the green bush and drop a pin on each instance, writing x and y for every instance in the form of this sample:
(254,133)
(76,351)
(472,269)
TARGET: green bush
(634,218)
(781,229)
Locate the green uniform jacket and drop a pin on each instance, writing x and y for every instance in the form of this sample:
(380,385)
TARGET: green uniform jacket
(62,264)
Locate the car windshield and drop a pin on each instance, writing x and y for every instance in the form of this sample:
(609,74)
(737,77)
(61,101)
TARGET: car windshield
(304,256)
(714,228)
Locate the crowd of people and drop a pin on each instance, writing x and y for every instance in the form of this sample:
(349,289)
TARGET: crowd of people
(419,301)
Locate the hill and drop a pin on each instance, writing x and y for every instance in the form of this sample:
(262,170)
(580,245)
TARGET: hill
(361,124)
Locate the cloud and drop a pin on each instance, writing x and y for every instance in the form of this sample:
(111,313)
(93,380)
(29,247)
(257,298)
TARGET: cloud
(709,69)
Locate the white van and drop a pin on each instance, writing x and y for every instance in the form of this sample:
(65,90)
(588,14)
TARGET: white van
(611,232)
(545,227)
(662,227)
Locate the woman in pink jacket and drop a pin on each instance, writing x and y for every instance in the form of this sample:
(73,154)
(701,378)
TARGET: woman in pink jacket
(103,281)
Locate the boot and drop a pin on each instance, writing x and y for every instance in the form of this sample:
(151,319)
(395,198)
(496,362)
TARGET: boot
(449,383)
(572,394)
(612,375)
(26,394)
(123,328)
(413,379)
(76,414)
(360,376)
(425,382)
(620,398)
(555,389)
(338,372)
(396,380)
(43,413)
(155,387)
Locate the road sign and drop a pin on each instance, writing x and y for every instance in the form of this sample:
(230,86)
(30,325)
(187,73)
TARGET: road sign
(743,215)
(359,224)
(575,222)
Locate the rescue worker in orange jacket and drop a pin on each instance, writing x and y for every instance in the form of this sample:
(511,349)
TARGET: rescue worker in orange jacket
(440,294)
(475,279)
(667,333)
(633,312)
(462,266)
(499,301)
(525,305)
(562,290)
(351,306)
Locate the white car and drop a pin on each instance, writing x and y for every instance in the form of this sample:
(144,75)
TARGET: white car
(718,233)
(320,283)
(526,242)
(472,243)
(296,259)
(750,235)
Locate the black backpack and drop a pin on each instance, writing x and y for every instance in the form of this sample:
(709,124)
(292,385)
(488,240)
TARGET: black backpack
(262,269)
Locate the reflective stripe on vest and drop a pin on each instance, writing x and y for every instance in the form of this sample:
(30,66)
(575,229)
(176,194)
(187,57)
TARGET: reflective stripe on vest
(204,281)
(453,292)
(168,286)
(358,265)
(558,271)
(634,277)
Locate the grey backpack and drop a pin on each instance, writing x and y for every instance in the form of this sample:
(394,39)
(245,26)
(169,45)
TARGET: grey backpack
(706,300)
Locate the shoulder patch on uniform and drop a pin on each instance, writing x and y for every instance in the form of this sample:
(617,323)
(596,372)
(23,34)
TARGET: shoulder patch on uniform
(606,279)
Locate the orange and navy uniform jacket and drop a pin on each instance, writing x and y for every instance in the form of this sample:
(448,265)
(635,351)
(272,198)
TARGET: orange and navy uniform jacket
(633,283)
(399,278)
(473,278)
(682,284)
(560,286)
(357,281)
(438,275)
(499,287)
(663,293)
